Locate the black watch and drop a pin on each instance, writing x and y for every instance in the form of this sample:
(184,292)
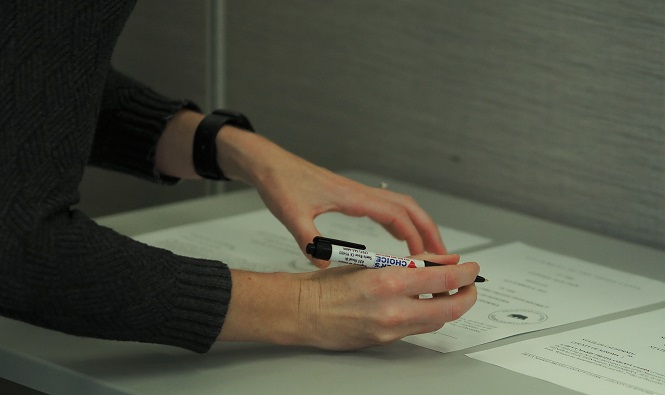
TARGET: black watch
(204,152)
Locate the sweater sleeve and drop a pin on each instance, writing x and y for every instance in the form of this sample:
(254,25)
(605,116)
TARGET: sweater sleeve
(91,281)
(131,120)
(84,279)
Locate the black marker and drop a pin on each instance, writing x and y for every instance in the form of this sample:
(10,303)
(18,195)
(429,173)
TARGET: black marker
(356,254)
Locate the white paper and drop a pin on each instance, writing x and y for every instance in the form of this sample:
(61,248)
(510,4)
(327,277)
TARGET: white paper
(257,241)
(529,288)
(624,356)
(532,289)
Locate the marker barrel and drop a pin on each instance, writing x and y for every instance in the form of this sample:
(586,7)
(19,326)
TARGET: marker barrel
(371,259)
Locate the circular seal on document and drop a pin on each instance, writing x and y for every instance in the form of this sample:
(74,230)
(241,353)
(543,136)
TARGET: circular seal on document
(519,317)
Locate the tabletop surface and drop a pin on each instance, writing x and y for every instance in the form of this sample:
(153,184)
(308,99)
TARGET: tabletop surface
(53,362)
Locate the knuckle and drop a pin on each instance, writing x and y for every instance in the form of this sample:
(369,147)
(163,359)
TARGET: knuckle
(387,324)
(385,338)
(455,311)
(391,318)
(474,294)
(450,281)
(399,214)
(406,200)
(390,284)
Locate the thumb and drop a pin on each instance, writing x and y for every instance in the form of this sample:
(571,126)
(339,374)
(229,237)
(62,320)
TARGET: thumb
(304,232)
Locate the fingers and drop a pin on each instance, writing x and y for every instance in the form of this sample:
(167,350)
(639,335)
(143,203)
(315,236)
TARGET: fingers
(428,315)
(405,220)
(449,259)
(399,214)
(436,280)
(434,313)
(401,314)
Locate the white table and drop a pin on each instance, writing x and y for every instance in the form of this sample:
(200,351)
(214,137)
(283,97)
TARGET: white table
(57,363)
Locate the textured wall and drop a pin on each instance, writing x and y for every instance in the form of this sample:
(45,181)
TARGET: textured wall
(554,108)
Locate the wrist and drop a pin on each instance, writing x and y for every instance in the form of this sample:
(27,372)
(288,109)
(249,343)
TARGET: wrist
(235,151)
(246,157)
(263,308)
(173,154)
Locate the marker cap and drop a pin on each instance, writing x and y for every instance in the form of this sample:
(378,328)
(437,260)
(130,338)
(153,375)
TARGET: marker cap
(319,250)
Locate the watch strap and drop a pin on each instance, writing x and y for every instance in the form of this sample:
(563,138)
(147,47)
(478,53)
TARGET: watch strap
(204,151)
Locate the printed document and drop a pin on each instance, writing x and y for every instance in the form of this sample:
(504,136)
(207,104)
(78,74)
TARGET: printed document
(531,289)
(624,356)
(257,241)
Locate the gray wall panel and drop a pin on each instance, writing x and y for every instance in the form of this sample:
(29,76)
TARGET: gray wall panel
(553,108)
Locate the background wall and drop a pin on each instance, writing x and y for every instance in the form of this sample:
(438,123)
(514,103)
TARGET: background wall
(553,107)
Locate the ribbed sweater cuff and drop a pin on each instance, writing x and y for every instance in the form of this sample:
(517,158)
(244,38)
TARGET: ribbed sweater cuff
(199,305)
(127,135)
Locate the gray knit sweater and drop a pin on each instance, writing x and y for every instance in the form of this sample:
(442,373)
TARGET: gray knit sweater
(62,106)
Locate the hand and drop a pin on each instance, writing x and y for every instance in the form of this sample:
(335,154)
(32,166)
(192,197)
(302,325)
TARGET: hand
(348,307)
(352,307)
(297,191)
